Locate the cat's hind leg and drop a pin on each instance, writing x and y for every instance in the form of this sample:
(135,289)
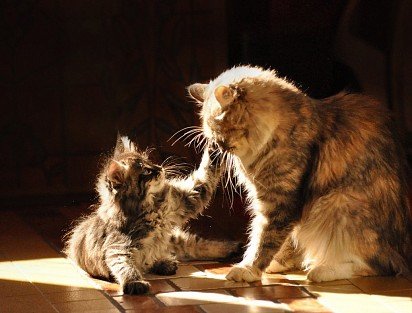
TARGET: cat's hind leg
(335,238)
(287,258)
(189,246)
(164,267)
(337,271)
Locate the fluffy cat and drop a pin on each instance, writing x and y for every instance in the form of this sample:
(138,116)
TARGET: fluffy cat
(136,226)
(326,179)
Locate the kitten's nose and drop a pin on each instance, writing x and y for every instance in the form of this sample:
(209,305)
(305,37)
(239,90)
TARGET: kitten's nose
(223,144)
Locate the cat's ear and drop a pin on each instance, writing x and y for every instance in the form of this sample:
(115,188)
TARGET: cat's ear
(197,91)
(224,95)
(116,173)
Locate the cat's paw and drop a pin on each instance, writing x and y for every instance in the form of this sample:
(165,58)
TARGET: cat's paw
(136,287)
(164,267)
(275,267)
(244,273)
(321,273)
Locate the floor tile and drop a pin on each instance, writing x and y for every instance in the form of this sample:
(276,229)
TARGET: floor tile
(347,298)
(295,276)
(220,270)
(10,288)
(353,303)
(389,297)
(305,305)
(137,302)
(193,297)
(375,284)
(51,288)
(401,307)
(13,282)
(271,279)
(85,306)
(26,303)
(339,289)
(77,295)
(160,286)
(182,271)
(301,278)
(270,292)
(257,306)
(202,283)
(170,309)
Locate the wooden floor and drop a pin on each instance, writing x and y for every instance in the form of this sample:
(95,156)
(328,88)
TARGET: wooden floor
(36,277)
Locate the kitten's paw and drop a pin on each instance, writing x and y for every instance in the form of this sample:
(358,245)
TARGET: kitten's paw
(136,287)
(244,273)
(275,267)
(164,267)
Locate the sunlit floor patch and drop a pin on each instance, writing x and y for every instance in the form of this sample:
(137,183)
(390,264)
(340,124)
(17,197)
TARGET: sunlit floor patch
(50,271)
(222,297)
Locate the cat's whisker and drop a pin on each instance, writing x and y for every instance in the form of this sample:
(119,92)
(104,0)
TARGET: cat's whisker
(201,143)
(187,132)
(183,130)
(194,139)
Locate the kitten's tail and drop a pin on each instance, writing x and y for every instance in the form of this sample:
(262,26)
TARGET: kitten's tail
(189,246)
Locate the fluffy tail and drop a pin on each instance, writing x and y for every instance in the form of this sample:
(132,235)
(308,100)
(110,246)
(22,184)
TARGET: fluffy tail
(189,246)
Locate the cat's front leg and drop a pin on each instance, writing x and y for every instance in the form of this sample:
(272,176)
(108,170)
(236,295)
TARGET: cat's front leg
(192,194)
(269,231)
(122,267)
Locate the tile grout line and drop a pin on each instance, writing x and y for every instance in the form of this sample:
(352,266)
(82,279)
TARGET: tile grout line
(40,292)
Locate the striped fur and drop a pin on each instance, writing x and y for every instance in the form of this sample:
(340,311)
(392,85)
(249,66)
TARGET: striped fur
(325,178)
(136,227)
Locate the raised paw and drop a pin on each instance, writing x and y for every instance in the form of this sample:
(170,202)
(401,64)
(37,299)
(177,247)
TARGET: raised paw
(244,273)
(136,287)
(164,267)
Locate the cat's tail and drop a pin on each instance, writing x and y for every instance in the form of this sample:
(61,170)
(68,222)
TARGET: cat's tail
(188,246)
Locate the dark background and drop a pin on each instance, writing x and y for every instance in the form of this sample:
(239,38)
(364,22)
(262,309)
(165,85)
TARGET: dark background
(74,73)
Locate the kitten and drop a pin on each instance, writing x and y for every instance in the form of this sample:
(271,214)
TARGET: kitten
(325,178)
(136,226)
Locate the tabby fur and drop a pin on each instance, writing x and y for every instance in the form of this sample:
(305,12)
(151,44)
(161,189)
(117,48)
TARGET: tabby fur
(326,179)
(136,227)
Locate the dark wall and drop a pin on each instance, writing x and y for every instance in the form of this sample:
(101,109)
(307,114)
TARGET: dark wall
(294,37)
(74,73)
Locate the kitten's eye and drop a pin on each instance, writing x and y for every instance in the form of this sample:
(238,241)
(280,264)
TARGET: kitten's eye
(147,171)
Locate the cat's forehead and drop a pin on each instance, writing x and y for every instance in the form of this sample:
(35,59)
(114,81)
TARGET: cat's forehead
(234,75)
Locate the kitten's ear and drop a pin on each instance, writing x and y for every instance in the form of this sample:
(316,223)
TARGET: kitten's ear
(116,173)
(124,144)
(224,95)
(197,91)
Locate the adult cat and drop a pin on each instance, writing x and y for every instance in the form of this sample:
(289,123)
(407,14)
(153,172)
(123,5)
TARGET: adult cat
(325,178)
(136,226)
